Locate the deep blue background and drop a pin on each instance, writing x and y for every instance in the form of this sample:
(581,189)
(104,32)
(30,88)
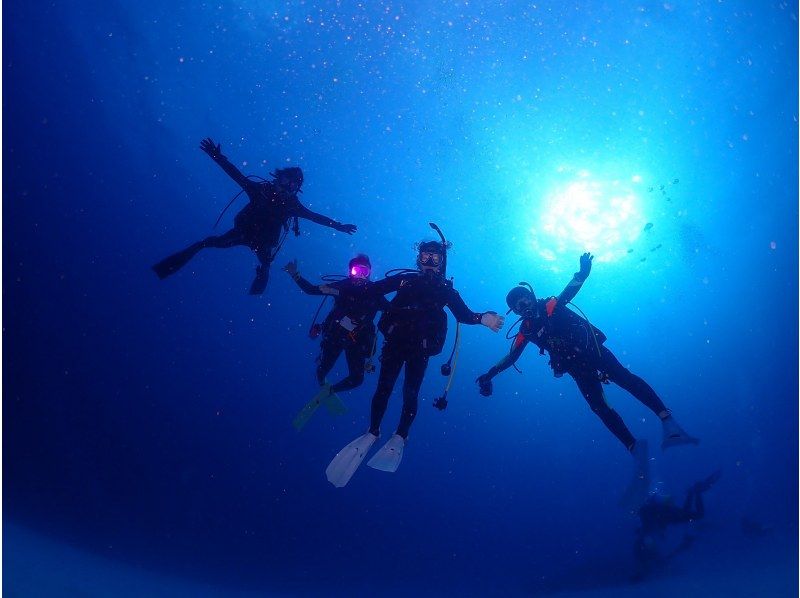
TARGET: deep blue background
(149,422)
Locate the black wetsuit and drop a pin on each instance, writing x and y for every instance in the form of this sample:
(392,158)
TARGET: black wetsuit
(415,328)
(258,226)
(655,516)
(349,327)
(576,348)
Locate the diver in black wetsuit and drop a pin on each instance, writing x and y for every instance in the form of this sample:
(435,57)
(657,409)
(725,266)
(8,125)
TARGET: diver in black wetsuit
(415,328)
(349,326)
(576,348)
(656,514)
(258,225)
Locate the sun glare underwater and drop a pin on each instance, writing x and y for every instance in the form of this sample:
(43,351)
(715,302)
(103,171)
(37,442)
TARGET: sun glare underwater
(200,401)
(588,213)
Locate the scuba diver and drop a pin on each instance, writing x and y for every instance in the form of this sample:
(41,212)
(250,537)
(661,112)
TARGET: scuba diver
(576,348)
(414,329)
(656,514)
(348,327)
(258,225)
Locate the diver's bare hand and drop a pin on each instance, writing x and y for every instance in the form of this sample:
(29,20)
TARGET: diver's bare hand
(586,265)
(208,146)
(492,321)
(291,268)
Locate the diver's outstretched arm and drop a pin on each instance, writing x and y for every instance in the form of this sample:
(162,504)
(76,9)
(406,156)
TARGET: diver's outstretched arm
(465,315)
(304,212)
(215,152)
(574,285)
(485,381)
(306,286)
(460,310)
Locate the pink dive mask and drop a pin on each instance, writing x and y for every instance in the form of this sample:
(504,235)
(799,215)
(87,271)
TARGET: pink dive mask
(359,271)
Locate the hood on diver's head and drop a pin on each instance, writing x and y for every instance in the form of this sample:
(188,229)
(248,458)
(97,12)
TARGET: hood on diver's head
(431,256)
(517,294)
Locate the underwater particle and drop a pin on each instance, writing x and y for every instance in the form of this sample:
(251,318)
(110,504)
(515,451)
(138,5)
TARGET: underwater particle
(675,181)
(661,188)
(644,259)
(656,247)
(649,189)
(773,245)
(647,227)
(630,250)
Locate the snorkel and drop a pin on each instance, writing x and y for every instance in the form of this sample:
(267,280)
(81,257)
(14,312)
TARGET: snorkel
(444,246)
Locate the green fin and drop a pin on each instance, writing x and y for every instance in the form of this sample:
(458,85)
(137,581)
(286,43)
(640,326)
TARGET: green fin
(334,404)
(301,419)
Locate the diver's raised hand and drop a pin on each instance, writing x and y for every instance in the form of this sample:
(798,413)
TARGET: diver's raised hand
(291,268)
(485,385)
(492,321)
(346,228)
(208,146)
(586,265)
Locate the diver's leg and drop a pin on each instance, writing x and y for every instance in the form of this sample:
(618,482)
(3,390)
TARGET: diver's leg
(232,238)
(329,352)
(592,391)
(696,493)
(176,261)
(264,255)
(354,353)
(391,362)
(687,502)
(699,507)
(416,364)
(640,389)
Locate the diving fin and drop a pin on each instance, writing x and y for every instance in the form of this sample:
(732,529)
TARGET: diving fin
(674,435)
(347,460)
(333,403)
(636,492)
(324,397)
(170,265)
(389,456)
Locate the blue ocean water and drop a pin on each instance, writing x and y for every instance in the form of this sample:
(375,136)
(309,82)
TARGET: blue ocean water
(148,446)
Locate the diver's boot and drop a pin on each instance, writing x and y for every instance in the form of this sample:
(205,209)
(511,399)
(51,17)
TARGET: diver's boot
(673,434)
(636,492)
(176,261)
(260,281)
